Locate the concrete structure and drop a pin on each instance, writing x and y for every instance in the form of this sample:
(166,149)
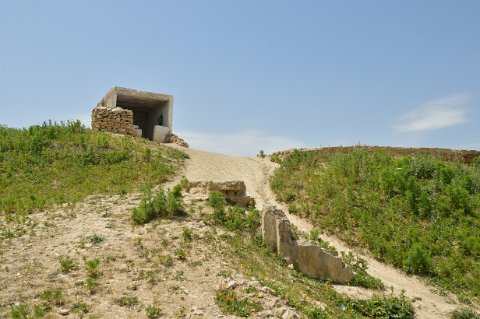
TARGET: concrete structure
(311,260)
(136,113)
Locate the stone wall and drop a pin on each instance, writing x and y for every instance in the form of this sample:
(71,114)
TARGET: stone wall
(309,259)
(116,120)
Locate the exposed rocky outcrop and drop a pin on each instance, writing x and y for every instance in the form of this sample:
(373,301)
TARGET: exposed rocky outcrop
(234,191)
(310,259)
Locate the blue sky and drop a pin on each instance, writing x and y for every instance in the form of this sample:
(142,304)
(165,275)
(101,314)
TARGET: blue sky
(251,75)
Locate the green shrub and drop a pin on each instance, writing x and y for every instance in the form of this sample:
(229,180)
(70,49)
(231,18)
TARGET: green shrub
(187,235)
(92,284)
(317,313)
(54,297)
(418,261)
(216,200)
(153,312)
(161,204)
(127,301)
(92,268)
(465,313)
(384,307)
(67,264)
(19,312)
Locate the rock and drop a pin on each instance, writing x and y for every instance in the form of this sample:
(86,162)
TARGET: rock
(175,139)
(231,284)
(267,290)
(64,312)
(289,314)
(275,303)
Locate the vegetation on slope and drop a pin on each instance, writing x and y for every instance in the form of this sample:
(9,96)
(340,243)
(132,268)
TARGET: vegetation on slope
(57,163)
(252,257)
(420,213)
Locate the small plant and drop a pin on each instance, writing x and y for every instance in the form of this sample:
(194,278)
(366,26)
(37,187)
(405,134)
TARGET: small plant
(187,235)
(91,284)
(153,312)
(19,312)
(185,183)
(127,301)
(317,313)
(261,154)
(166,260)
(67,264)
(54,297)
(217,202)
(181,254)
(92,268)
(81,308)
(96,239)
(465,313)
(182,312)
(228,301)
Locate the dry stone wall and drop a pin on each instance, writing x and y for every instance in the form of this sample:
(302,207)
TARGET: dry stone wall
(116,120)
(309,259)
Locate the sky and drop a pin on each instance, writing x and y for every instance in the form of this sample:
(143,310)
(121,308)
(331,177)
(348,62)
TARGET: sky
(254,75)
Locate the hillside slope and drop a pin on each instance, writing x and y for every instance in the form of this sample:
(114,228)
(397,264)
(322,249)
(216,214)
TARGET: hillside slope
(255,172)
(174,268)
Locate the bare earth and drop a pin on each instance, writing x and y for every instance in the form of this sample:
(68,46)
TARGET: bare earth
(255,173)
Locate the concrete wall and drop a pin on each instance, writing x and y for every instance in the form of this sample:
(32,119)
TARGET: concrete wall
(311,260)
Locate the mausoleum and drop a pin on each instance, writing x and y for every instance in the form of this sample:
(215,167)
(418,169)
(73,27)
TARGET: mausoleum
(136,113)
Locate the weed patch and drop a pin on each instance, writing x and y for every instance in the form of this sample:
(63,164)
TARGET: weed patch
(228,301)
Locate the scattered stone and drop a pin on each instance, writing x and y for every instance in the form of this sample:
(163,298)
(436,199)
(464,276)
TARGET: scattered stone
(268,290)
(64,312)
(231,284)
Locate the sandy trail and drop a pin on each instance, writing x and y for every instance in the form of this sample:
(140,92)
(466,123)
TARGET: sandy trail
(255,172)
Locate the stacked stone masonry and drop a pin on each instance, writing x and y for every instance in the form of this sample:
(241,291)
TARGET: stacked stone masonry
(116,120)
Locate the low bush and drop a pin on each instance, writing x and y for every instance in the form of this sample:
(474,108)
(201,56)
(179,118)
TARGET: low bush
(465,313)
(384,307)
(228,301)
(159,205)
(234,218)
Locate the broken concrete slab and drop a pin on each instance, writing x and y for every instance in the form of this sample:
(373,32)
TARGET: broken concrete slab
(309,259)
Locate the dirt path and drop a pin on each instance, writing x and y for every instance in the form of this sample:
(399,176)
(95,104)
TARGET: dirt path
(255,172)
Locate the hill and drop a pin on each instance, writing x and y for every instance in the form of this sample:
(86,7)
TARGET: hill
(135,234)
(417,209)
